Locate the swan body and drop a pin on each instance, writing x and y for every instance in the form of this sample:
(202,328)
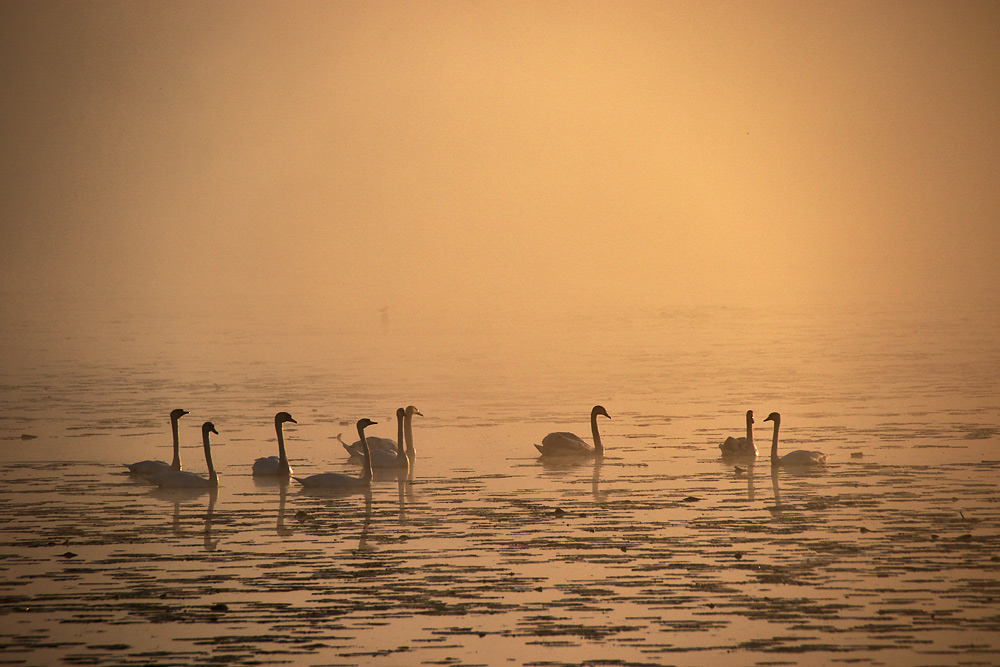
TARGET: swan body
(797,459)
(376,443)
(562,443)
(146,468)
(742,447)
(336,480)
(382,458)
(181,479)
(275,465)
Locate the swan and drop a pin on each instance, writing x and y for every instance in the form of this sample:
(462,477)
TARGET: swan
(336,480)
(383,458)
(570,444)
(145,468)
(798,458)
(375,442)
(276,465)
(181,479)
(741,447)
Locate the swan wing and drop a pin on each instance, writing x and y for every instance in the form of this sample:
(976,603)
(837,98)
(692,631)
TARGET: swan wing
(383,458)
(738,447)
(562,443)
(269,465)
(801,457)
(374,443)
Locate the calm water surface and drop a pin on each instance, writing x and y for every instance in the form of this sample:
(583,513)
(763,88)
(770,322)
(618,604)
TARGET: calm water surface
(483,555)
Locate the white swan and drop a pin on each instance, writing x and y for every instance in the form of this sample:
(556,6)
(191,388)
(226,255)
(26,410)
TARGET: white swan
(562,443)
(180,479)
(375,442)
(383,458)
(741,447)
(336,480)
(145,468)
(276,465)
(798,458)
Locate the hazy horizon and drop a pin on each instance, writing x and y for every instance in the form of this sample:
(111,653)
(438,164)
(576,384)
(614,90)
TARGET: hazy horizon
(462,157)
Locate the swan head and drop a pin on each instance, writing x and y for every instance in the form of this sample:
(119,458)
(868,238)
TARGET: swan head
(400,413)
(412,410)
(178,413)
(283,417)
(750,417)
(208,427)
(364,423)
(599,410)
(773,417)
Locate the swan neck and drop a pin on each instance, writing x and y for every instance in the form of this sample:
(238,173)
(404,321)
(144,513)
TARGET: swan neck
(774,443)
(176,463)
(399,437)
(282,459)
(408,433)
(750,429)
(366,475)
(598,447)
(212,476)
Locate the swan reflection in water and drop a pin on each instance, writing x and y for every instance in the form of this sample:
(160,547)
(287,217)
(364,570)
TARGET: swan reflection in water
(774,485)
(179,495)
(281,483)
(363,546)
(561,466)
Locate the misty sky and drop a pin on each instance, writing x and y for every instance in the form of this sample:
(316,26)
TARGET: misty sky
(473,155)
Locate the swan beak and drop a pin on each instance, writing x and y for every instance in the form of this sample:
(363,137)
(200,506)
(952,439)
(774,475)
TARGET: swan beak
(418,412)
(292,420)
(214,431)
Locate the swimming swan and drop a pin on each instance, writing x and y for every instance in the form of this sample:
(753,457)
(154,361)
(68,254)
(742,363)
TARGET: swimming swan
(276,465)
(181,479)
(798,458)
(570,444)
(145,468)
(741,447)
(336,480)
(383,458)
(375,442)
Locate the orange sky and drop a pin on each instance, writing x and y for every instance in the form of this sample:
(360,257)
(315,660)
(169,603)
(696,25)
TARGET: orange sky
(477,156)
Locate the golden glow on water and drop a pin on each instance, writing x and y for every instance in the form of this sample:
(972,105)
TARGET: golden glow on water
(661,551)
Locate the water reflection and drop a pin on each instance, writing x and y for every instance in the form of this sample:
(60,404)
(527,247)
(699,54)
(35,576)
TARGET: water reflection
(178,497)
(210,544)
(281,484)
(595,481)
(774,486)
(363,545)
